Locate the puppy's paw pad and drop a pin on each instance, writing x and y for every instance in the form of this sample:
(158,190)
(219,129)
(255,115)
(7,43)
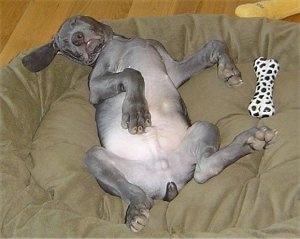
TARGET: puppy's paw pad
(135,116)
(230,75)
(139,220)
(234,80)
(263,138)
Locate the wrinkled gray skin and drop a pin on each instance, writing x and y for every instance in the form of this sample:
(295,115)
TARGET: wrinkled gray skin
(150,149)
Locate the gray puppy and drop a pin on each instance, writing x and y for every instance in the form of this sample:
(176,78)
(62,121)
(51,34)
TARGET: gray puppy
(149,149)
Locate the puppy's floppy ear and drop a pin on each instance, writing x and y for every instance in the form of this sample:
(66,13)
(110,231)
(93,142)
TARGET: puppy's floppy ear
(40,58)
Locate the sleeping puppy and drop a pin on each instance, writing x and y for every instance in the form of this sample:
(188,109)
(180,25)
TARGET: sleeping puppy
(150,150)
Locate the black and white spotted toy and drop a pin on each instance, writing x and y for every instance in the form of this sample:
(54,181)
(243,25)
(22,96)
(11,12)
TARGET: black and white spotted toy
(262,104)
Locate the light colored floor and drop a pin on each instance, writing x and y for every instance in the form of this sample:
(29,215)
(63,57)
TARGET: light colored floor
(28,23)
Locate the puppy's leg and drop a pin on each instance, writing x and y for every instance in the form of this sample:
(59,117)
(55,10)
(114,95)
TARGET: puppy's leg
(245,143)
(104,166)
(214,52)
(201,140)
(135,113)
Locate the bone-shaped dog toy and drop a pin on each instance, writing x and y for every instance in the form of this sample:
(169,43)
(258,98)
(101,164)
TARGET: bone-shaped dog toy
(262,104)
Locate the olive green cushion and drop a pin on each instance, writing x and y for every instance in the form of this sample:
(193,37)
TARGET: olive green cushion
(47,125)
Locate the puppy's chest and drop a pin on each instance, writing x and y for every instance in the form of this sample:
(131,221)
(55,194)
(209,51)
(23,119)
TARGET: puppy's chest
(141,57)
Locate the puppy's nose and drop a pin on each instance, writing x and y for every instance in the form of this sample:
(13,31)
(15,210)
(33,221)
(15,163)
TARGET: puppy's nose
(78,38)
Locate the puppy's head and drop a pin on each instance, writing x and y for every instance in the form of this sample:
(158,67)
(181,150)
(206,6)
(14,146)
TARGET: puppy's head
(80,38)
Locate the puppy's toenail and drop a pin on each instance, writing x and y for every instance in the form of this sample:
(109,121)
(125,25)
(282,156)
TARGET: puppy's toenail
(140,129)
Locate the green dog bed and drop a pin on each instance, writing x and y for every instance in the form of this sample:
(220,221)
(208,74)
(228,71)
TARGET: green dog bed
(47,125)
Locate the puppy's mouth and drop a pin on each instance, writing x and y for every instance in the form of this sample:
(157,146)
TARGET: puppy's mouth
(93,48)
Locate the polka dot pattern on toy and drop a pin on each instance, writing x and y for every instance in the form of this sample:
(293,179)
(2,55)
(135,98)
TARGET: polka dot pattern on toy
(261,105)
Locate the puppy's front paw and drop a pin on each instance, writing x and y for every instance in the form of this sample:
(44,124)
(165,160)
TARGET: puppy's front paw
(135,115)
(137,217)
(228,72)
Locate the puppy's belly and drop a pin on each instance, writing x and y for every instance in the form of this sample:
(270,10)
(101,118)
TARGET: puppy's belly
(158,140)
(150,155)
(151,159)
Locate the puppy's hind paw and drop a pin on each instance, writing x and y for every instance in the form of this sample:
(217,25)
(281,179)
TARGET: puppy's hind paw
(263,138)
